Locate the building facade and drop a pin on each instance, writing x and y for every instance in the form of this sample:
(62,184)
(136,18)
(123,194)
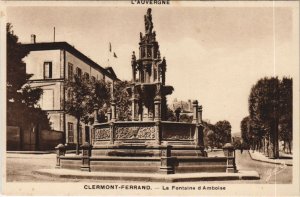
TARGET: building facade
(52,64)
(185,107)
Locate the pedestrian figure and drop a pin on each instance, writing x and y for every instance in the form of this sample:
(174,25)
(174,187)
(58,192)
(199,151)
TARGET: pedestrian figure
(241,150)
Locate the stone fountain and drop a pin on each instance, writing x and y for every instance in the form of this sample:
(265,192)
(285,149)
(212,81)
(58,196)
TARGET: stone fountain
(147,143)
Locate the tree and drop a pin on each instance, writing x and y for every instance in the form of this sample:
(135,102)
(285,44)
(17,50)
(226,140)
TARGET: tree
(223,132)
(264,113)
(83,96)
(78,103)
(270,109)
(16,72)
(100,96)
(17,88)
(170,115)
(211,139)
(22,99)
(245,130)
(286,113)
(209,135)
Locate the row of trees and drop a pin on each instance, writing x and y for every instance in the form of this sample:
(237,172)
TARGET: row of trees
(270,116)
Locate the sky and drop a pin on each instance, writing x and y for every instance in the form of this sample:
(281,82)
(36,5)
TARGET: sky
(213,54)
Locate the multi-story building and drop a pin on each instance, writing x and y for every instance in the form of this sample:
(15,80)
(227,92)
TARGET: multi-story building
(51,64)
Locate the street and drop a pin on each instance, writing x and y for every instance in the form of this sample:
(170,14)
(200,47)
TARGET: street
(20,167)
(269,173)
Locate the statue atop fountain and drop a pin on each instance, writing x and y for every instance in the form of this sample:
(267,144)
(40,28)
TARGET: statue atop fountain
(148,89)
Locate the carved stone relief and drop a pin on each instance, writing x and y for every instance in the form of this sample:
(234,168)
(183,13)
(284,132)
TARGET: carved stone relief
(102,134)
(135,132)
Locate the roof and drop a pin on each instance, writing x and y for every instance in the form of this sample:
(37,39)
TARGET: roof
(42,46)
(111,71)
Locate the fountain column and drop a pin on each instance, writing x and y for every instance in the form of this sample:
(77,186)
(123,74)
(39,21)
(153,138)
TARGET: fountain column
(200,114)
(134,108)
(113,111)
(195,113)
(157,108)
(96,114)
(141,110)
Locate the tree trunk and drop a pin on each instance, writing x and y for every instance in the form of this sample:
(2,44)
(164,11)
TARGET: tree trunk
(274,149)
(276,144)
(77,137)
(271,146)
(267,146)
(263,145)
(290,147)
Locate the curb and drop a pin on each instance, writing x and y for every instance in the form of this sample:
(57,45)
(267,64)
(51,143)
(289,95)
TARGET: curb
(150,177)
(277,163)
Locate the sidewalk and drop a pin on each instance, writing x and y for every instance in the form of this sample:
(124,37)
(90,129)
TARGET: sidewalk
(257,156)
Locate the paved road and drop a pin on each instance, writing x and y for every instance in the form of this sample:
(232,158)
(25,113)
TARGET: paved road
(269,173)
(20,167)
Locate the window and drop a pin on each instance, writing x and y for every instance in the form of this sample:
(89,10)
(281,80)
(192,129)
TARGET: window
(70,71)
(78,72)
(70,132)
(47,70)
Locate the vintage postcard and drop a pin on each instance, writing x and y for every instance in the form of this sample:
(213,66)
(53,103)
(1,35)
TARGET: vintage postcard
(150,97)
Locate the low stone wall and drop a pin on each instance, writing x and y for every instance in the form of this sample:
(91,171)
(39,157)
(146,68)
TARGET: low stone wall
(13,138)
(49,139)
(32,139)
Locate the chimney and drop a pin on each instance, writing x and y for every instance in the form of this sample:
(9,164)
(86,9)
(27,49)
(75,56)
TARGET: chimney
(33,37)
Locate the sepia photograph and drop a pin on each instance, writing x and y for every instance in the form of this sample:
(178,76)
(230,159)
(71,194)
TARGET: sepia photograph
(150,98)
